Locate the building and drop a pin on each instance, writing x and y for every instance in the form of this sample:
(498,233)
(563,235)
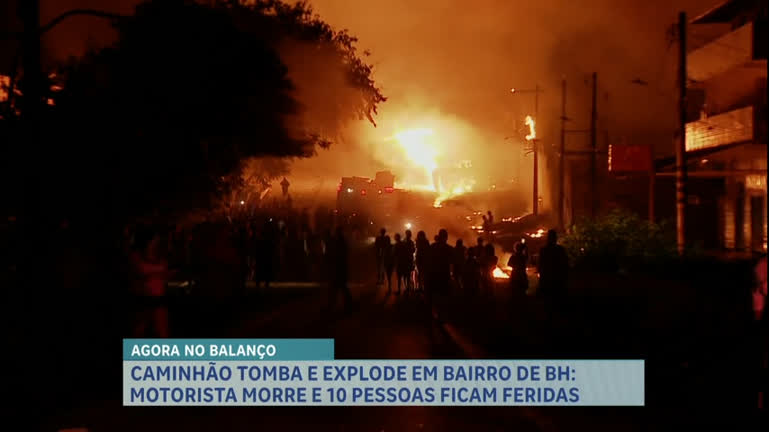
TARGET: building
(726,136)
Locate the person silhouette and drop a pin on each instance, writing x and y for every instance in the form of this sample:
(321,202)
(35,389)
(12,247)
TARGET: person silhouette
(389,262)
(458,262)
(340,271)
(408,261)
(519,280)
(152,268)
(380,244)
(553,267)
(284,184)
(401,260)
(490,230)
(479,247)
(472,272)
(489,262)
(422,259)
(266,255)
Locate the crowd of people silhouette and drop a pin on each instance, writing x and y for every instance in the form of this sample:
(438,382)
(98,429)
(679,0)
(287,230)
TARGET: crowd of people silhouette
(437,267)
(222,258)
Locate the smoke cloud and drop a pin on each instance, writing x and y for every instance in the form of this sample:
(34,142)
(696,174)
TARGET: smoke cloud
(453,63)
(449,65)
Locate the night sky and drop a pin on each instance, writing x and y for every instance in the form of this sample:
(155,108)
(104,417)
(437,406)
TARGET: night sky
(452,63)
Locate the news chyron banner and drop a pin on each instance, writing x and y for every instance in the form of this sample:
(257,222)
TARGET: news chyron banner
(303,372)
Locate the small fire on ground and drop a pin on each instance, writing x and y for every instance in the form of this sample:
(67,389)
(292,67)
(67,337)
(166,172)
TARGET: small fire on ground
(498,273)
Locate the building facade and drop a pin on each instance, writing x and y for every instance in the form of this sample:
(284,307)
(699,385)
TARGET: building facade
(726,138)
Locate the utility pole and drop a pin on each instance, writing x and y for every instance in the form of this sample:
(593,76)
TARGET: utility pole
(681,143)
(534,147)
(535,187)
(593,146)
(561,156)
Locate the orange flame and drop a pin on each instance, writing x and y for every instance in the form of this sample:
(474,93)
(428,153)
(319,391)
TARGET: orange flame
(422,149)
(500,274)
(532,128)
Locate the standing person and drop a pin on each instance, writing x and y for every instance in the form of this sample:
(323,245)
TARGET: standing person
(399,252)
(553,267)
(284,184)
(266,255)
(408,258)
(479,248)
(490,231)
(472,272)
(442,255)
(422,259)
(340,271)
(430,269)
(152,268)
(389,262)
(489,263)
(380,250)
(458,262)
(518,261)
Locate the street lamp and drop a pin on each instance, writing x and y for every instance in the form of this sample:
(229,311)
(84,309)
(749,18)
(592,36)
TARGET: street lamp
(535,182)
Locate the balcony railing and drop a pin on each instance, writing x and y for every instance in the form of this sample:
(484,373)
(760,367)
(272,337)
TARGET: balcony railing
(728,128)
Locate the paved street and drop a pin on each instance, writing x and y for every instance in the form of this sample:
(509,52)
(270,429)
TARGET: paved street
(383,325)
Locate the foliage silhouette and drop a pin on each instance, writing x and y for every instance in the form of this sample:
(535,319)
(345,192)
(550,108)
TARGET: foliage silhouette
(162,121)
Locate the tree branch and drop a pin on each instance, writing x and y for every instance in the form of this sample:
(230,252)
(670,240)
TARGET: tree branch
(87,12)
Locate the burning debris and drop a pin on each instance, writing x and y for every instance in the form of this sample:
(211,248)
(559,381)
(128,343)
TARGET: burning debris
(498,273)
(512,219)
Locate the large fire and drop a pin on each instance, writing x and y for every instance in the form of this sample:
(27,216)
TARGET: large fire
(421,148)
(459,187)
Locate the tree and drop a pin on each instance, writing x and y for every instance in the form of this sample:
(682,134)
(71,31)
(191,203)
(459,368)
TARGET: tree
(620,240)
(164,117)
